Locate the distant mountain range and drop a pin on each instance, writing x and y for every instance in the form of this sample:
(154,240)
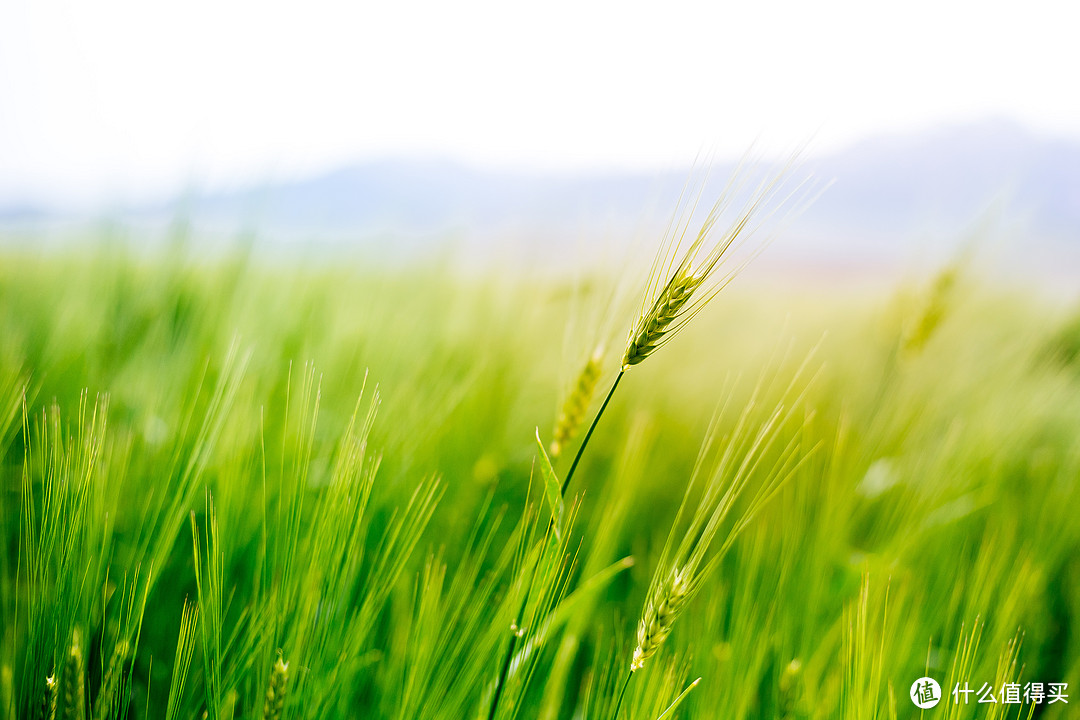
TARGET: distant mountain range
(889,197)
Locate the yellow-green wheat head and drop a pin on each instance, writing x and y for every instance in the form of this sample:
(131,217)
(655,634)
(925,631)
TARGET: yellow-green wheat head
(685,277)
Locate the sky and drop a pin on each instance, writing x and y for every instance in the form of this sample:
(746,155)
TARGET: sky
(121,100)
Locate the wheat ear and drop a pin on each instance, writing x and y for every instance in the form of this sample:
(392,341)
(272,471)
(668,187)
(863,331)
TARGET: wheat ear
(790,691)
(577,403)
(651,328)
(74,681)
(228,708)
(275,693)
(936,307)
(111,681)
(52,698)
(659,616)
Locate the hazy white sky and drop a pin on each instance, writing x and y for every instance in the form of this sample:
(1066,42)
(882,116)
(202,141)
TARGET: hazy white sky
(119,98)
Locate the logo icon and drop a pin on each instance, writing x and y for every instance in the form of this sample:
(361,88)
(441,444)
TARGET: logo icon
(925,693)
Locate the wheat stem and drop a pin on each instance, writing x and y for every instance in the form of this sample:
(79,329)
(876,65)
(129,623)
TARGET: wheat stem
(516,633)
(588,434)
(622,694)
(591,370)
(515,630)
(504,671)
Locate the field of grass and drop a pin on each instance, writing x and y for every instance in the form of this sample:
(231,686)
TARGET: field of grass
(236,487)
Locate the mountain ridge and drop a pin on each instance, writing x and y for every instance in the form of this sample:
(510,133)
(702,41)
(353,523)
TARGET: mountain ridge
(886,194)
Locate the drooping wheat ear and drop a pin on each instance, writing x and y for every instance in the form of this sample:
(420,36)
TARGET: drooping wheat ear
(667,602)
(275,693)
(111,681)
(74,681)
(577,403)
(649,333)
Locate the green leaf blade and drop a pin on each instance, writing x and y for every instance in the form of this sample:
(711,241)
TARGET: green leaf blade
(552,488)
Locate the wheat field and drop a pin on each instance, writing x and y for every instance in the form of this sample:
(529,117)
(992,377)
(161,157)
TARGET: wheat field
(239,487)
